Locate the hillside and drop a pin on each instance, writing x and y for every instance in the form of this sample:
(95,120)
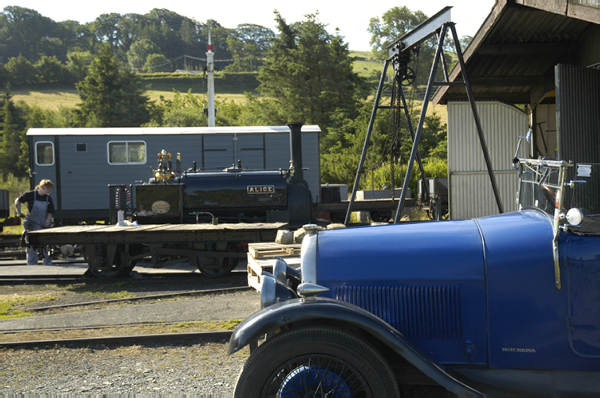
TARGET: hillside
(227,86)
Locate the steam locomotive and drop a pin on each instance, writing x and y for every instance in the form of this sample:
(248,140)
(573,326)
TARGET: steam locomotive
(234,194)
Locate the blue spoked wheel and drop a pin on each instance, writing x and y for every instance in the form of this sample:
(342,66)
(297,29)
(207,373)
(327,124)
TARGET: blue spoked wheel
(320,376)
(316,362)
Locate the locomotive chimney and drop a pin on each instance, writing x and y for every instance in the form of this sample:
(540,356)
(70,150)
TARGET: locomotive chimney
(299,196)
(296,149)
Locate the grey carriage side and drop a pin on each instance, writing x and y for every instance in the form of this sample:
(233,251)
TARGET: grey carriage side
(82,162)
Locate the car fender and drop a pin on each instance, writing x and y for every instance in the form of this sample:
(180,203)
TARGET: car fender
(338,312)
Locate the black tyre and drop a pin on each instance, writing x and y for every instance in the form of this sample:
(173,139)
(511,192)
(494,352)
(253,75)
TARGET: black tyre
(316,362)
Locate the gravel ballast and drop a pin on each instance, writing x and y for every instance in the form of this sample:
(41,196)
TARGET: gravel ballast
(159,369)
(193,370)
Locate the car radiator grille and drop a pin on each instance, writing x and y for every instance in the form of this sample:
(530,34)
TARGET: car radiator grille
(418,312)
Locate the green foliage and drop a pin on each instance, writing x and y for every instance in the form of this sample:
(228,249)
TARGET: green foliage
(377,179)
(187,110)
(248,45)
(13,145)
(139,52)
(156,63)
(184,110)
(112,96)
(25,32)
(340,162)
(51,70)
(393,24)
(16,186)
(77,64)
(309,74)
(20,71)
(49,118)
(259,112)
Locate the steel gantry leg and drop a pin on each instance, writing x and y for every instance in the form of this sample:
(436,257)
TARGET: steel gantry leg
(366,144)
(438,24)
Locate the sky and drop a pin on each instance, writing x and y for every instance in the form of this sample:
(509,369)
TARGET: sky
(352,21)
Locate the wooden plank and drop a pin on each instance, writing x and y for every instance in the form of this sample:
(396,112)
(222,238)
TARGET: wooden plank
(272,249)
(261,258)
(155,233)
(162,227)
(255,270)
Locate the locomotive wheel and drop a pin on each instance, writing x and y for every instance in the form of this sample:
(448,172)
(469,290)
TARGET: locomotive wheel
(101,269)
(213,267)
(316,362)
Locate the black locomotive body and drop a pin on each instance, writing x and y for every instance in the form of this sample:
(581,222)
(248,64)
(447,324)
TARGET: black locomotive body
(232,195)
(235,194)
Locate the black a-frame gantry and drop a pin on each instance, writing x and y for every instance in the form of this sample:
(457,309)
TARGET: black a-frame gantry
(399,56)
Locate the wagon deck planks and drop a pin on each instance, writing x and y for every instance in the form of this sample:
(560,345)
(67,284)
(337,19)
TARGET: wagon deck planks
(154,233)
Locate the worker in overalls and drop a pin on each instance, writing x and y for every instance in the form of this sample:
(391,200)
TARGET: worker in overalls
(41,210)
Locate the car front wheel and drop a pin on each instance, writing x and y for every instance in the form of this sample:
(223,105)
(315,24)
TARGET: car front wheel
(316,361)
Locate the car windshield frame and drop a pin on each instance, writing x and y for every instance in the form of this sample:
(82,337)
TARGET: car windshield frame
(555,187)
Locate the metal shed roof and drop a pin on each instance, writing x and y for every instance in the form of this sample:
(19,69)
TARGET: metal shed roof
(512,56)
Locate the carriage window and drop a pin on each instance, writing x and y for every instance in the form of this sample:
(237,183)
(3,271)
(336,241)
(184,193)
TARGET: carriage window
(44,153)
(127,152)
(81,147)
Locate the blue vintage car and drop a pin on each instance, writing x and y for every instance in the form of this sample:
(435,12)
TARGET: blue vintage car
(501,306)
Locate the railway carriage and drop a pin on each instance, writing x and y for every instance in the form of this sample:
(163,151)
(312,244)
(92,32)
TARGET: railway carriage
(83,162)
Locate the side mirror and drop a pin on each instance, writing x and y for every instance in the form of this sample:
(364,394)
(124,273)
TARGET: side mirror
(527,138)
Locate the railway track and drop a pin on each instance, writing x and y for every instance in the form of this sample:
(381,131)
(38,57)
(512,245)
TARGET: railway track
(138,277)
(171,338)
(191,293)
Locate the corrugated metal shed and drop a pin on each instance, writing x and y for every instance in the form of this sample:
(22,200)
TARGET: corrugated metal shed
(513,59)
(512,56)
(471,193)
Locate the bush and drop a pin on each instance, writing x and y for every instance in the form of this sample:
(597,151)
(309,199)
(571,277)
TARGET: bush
(51,70)
(21,71)
(434,168)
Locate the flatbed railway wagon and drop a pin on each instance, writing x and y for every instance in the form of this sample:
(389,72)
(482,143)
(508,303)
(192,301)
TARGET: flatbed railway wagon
(113,250)
(202,215)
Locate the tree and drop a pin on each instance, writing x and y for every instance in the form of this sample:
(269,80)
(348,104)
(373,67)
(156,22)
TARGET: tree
(394,23)
(309,74)
(21,71)
(51,70)
(248,45)
(12,138)
(464,42)
(157,63)
(23,31)
(139,52)
(111,95)
(77,64)
(106,29)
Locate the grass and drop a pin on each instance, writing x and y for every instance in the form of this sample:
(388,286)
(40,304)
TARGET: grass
(9,306)
(48,97)
(54,100)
